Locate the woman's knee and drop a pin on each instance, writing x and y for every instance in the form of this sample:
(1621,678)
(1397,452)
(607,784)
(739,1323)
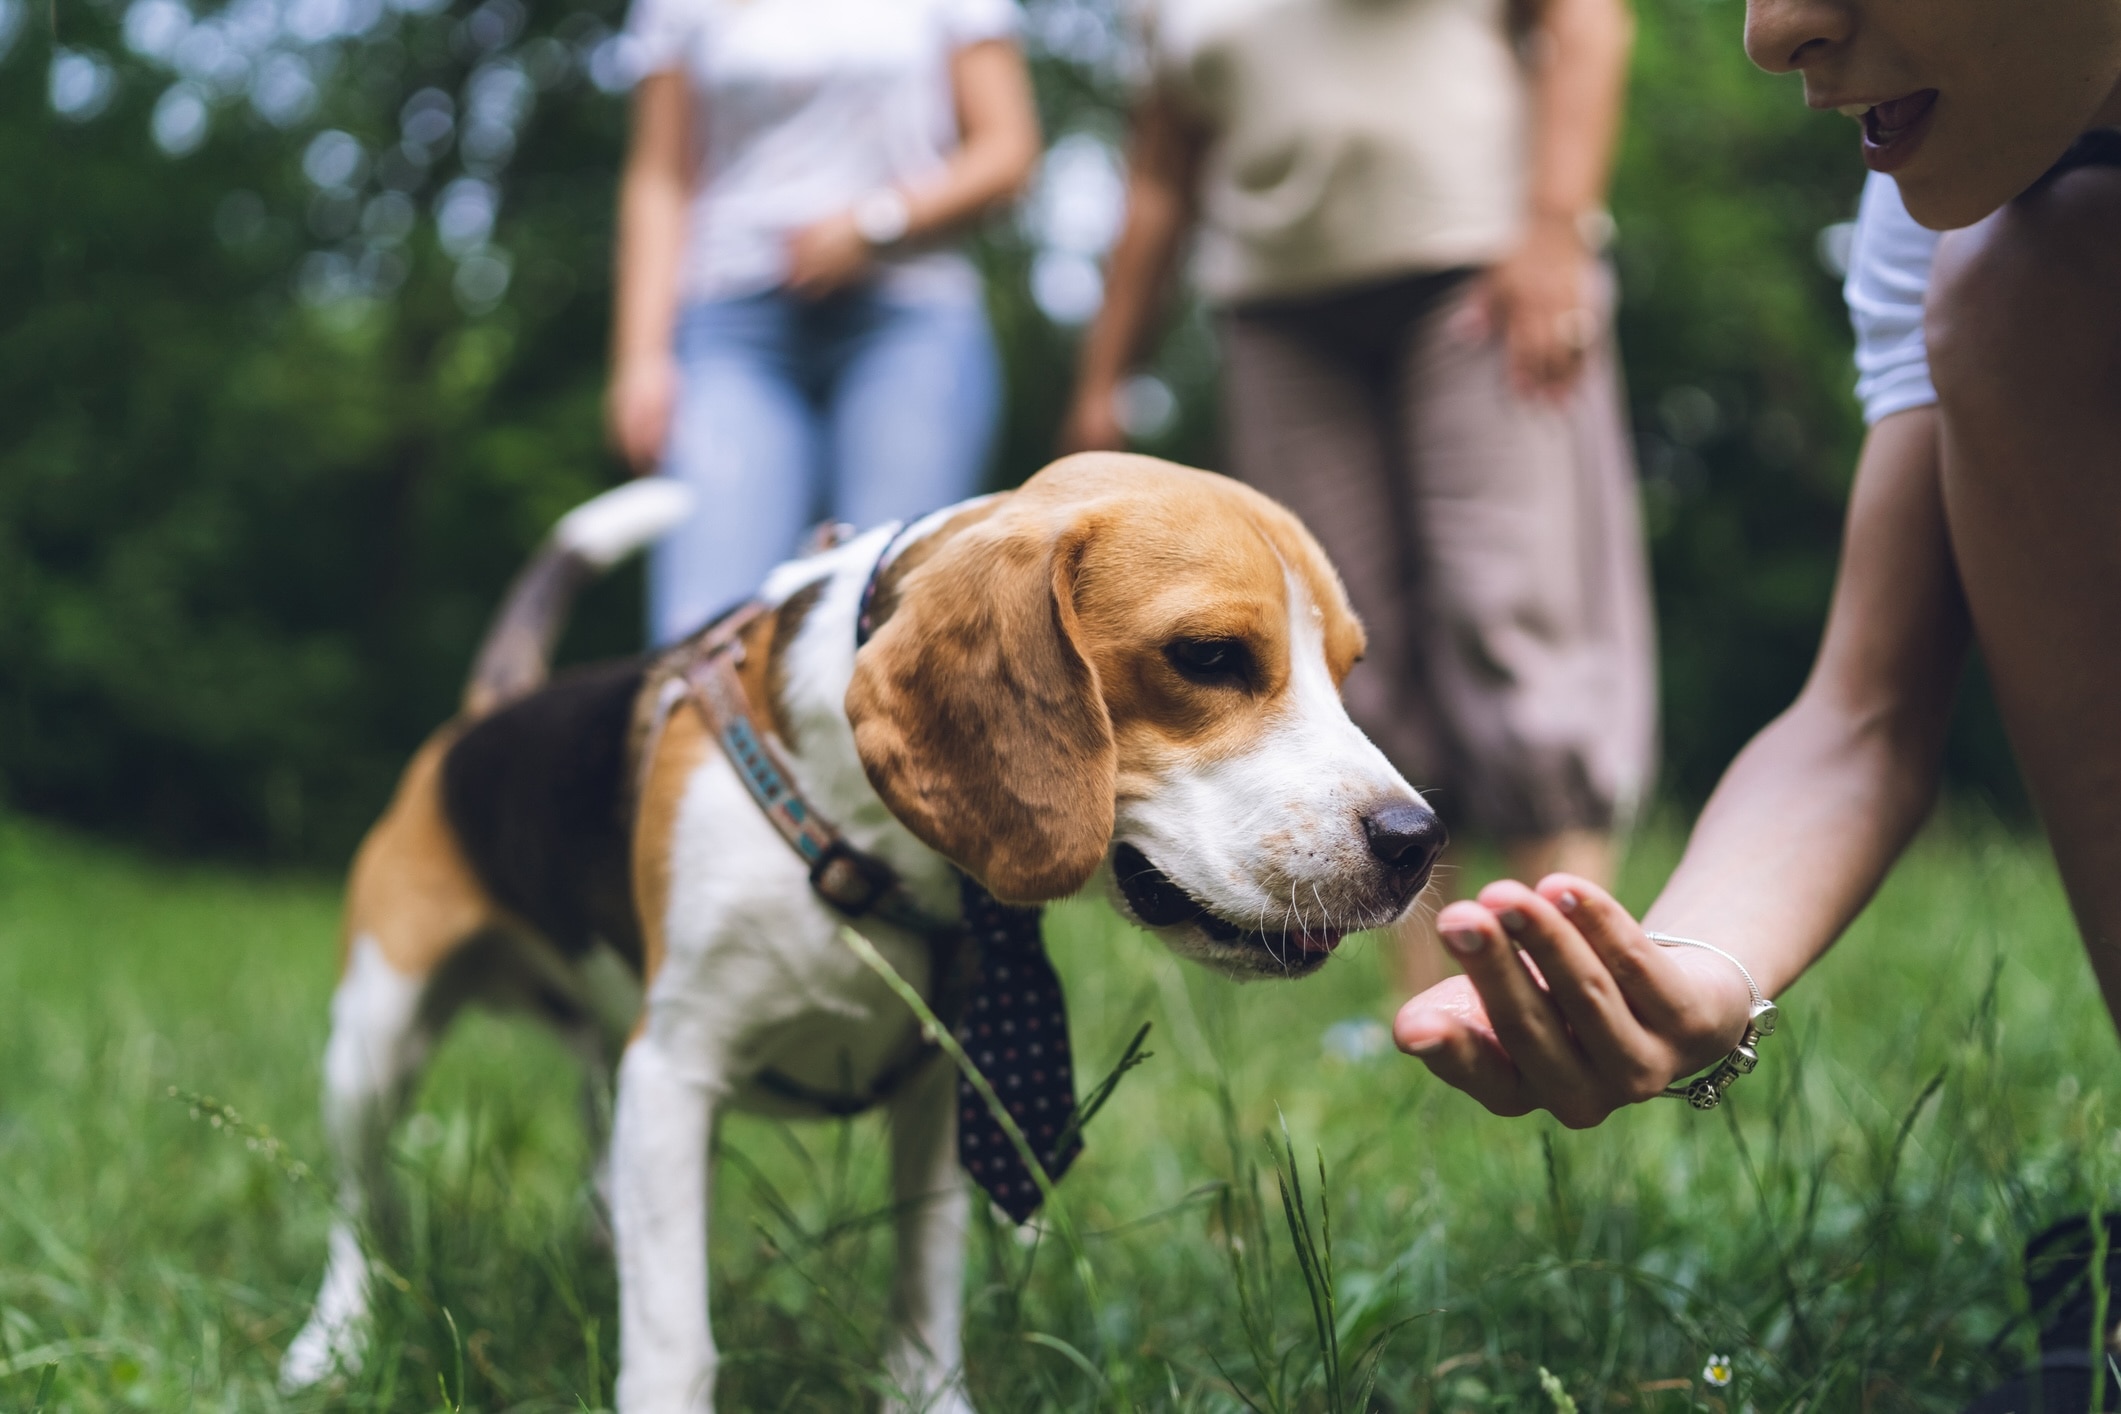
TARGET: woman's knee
(2028,296)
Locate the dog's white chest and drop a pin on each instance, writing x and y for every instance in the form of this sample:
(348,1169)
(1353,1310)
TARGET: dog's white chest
(758,994)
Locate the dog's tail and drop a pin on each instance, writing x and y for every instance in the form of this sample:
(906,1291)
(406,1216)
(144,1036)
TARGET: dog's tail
(516,655)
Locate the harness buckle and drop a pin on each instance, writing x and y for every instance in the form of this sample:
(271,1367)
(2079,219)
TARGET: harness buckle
(850,881)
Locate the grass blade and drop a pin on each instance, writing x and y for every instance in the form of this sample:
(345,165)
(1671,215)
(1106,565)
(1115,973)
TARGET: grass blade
(1081,1361)
(1087,1110)
(1056,1211)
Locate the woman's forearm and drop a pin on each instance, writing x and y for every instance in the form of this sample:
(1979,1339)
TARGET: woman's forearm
(1162,174)
(1579,81)
(654,192)
(1135,273)
(1542,293)
(1799,834)
(1811,816)
(651,240)
(998,143)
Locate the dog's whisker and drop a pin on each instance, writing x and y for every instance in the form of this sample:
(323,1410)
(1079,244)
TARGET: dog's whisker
(1296,913)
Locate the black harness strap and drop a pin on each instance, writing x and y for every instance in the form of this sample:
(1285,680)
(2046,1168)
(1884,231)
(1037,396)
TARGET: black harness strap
(865,611)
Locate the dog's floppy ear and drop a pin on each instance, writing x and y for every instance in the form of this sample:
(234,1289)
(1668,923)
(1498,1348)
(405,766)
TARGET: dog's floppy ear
(977,716)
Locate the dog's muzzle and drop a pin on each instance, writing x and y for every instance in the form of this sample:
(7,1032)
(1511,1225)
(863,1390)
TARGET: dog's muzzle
(1404,837)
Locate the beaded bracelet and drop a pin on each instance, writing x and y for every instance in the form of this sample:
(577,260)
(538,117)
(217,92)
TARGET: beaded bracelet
(1705,1091)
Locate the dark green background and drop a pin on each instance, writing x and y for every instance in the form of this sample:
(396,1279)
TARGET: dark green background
(246,545)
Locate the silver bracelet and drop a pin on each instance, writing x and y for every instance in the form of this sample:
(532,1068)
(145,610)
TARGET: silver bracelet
(1705,1091)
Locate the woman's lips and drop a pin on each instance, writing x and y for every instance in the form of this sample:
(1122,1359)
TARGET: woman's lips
(1892,130)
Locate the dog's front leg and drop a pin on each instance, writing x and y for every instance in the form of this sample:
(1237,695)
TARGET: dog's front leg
(659,1204)
(926,1361)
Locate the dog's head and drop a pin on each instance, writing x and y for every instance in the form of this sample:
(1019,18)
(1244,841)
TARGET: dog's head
(1133,661)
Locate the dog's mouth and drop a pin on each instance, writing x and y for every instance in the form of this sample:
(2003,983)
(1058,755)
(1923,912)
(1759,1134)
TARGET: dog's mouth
(1160,903)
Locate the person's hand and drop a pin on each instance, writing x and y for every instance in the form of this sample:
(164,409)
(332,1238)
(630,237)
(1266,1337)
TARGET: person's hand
(1589,1017)
(827,255)
(1540,297)
(1092,424)
(637,409)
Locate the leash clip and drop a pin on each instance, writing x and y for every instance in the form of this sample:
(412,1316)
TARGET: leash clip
(851,882)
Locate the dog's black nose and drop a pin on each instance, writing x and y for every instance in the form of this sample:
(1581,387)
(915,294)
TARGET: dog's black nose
(1405,835)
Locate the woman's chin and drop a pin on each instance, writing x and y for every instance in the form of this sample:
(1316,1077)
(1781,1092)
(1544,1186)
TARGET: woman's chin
(1958,178)
(1945,196)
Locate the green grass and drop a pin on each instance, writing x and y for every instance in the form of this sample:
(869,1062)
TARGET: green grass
(1845,1229)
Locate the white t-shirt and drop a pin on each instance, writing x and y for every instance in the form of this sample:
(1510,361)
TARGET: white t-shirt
(803,107)
(1889,274)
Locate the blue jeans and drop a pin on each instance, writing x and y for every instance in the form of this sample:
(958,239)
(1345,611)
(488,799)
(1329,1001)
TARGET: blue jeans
(861,407)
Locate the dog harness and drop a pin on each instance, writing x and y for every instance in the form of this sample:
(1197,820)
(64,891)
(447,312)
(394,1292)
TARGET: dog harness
(992,982)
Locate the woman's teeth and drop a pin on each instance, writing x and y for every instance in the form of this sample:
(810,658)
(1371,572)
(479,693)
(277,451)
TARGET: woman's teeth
(1855,110)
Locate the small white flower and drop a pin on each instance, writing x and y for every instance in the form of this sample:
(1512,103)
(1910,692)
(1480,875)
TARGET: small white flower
(1718,1371)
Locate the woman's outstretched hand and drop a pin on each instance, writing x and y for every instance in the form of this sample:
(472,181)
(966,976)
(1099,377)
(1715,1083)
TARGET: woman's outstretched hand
(1567,1006)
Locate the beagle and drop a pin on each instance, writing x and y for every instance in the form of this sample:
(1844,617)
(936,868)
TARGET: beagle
(1124,670)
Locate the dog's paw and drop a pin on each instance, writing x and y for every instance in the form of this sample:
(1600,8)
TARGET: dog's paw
(322,1348)
(945,1401)
(920,1386)
(332,1341)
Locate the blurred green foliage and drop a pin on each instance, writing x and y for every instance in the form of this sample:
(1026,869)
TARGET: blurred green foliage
(277,422)
(247,537)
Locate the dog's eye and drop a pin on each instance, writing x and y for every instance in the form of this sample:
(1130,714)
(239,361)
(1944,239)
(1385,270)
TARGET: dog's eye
(1211,660)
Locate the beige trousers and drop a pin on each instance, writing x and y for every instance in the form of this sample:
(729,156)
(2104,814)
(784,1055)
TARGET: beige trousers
(1491,544)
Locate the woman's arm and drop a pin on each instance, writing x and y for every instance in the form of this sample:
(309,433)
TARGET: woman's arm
(1163,170)
(1797,837)
(1812,814)
(1540,294)
(998,147)
(654,190)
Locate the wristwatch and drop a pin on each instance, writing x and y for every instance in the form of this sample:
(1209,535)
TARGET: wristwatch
(882,217)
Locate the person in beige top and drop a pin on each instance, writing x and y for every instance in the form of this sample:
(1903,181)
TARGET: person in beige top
(1397,209)
(1344,140)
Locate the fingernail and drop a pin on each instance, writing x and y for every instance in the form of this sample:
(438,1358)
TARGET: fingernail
(1512,921)
(1463,941)
(1568,901)
(1426,1040)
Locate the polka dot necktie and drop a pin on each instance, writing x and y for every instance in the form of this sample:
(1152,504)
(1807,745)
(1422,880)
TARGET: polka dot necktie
(1015,1029)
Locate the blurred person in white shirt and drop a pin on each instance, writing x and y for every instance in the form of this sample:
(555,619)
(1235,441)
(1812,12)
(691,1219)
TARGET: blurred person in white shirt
(794,335)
